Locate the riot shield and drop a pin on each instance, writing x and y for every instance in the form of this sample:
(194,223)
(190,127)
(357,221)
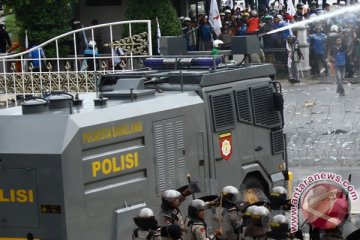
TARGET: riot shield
(254,196)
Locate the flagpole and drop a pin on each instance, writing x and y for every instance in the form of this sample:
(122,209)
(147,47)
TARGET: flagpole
(197,10)
(25,63)
(158,35)
(26,41)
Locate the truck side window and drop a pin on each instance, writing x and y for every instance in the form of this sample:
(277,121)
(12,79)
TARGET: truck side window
(263,107)
(243,106)
(222,107)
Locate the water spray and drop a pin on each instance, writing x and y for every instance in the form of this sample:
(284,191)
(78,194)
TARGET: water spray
(303,23)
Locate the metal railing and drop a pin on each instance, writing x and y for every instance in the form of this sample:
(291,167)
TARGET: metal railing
(76,72)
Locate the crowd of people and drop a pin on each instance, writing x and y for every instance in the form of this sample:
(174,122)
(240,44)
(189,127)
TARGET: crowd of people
(322,34)
(327,54)
(247,214)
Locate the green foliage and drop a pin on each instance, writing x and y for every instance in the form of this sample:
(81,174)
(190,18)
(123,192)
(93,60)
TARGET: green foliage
(43,19)
(7,9)
(150,9)
(12,27)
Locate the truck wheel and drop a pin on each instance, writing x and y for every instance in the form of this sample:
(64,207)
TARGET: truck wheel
(254,182)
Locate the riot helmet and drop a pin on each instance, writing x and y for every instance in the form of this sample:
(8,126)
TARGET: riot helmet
(230,195)
(250,210)
(279,223)
(229,192)
(170,199)
(278,195)
(145,213)
(194,207)
(259,222)
(247,215)
(279,227)
(145,219)
(170,195)
(260,216)
(280,189)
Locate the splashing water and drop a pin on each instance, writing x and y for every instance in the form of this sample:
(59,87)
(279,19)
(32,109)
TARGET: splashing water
(337,12)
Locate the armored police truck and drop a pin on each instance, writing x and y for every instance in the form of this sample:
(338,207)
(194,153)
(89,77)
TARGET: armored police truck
(79,169)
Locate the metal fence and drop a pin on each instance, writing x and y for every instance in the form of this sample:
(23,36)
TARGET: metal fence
(76,72)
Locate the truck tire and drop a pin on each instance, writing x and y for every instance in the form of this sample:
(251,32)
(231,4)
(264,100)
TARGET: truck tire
(254,182)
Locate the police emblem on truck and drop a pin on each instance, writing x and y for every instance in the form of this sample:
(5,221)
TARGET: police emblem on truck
(225,140)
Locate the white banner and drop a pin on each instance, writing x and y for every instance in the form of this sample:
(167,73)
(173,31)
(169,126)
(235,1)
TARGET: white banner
(230,4)
(290,7)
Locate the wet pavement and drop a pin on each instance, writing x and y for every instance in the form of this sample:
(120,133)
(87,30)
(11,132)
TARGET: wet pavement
(323,129)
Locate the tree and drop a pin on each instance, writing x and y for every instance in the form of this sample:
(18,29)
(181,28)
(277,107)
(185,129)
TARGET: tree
(150,9)
(43,20)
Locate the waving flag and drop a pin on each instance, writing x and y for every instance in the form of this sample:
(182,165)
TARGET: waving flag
(214,17)
(230,4)
(290,7)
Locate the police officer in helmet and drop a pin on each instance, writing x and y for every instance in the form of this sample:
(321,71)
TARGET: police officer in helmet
(279,228)
(279,198)
(147,227)
(259,224)
(229,194)
(234,208)
(170,212)
(197,225)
